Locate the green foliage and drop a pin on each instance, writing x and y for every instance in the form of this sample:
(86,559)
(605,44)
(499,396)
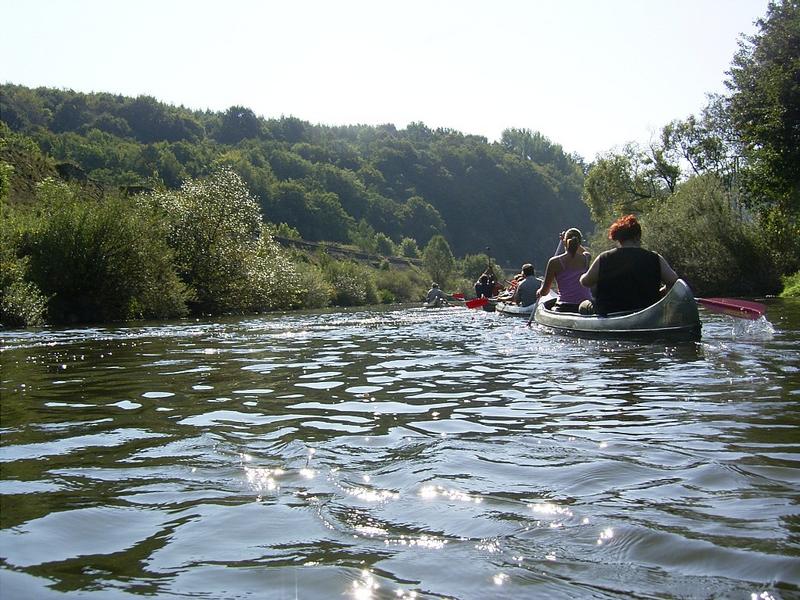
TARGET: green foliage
(21,302)
(99,260)
(316,291)
(408,248)
(473,265)
(271,279)
(710,244)
(316,214)
(401,285)
(384,245)
(363,236)
(791,286)
(322,181)
(284,230)
(438,259)
(421,220)
(238,123)
(624,183)
(764,108)
(765,101)
(353,284)
(5,181)
(221,251)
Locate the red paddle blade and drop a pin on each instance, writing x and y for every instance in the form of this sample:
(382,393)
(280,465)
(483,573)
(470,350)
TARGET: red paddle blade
(477,302)
(744,309)
(458,296)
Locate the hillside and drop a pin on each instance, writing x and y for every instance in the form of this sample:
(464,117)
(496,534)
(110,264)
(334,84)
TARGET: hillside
(340,184)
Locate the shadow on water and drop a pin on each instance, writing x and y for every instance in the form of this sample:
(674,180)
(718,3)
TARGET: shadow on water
(375,454)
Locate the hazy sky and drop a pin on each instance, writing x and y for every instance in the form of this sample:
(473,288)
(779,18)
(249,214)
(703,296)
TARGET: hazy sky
(589,74)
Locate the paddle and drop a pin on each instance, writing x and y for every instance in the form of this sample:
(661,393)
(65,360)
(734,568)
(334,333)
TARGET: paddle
(457,295)
(744,309)
(533,313)
(476,302)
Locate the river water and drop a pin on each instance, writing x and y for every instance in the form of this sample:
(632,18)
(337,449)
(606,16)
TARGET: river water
(400,453)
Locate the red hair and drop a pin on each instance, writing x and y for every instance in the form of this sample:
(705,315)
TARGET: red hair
(625,228)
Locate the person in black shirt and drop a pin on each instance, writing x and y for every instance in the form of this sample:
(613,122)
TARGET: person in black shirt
(627,278)
(484,288)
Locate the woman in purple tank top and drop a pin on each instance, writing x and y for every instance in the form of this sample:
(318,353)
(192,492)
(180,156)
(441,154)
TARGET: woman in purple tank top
(566,269)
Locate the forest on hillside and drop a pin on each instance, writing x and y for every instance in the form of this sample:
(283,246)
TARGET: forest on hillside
(344,184)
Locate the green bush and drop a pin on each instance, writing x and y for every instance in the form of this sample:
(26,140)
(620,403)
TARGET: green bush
(284,230)
(98,260)
(438,259)
(22,304)
(409,248)
(709,243)
(353,284)
(384,245)
(222,252)
(473,265)
(316,292)
(791,286)
(401,285)
(270,279)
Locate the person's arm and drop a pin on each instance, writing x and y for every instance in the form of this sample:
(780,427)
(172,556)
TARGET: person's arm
(668,276)
(560,249)
(549,275)
(589,279)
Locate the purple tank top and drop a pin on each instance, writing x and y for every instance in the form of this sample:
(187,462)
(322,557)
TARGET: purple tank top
(570,290)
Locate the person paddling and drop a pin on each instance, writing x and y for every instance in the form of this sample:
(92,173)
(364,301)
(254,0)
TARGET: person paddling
(484,287)
(628,277)
(436,297)
(525,294)
(566,269)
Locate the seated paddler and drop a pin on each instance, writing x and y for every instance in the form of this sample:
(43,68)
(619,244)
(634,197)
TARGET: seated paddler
(628,277)
(566,267)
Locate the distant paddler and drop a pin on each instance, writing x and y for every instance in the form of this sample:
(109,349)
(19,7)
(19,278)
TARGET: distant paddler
(435,297)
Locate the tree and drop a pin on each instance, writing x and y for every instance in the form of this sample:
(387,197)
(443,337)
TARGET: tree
(709,243)
(215,226)
(421,221)
(238,123)
(384,245)
(473,265)
(621,183)
(437,258)
(409,248)
(70,114)
(764,108)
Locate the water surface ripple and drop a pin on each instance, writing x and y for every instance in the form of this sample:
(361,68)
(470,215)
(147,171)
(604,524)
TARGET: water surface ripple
(398,454)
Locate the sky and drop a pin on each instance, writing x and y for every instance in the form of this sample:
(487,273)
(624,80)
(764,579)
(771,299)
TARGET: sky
(591,75)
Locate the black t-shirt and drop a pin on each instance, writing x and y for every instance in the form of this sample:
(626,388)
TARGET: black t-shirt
(485,289)
(628,279)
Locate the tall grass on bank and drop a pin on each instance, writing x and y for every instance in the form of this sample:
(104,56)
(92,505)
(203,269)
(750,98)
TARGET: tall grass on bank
(88,260)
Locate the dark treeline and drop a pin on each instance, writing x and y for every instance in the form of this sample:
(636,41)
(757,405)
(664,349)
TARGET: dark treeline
(344,184)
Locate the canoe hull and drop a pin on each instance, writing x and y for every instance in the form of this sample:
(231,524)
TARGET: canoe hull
(675,316)
(508,308)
